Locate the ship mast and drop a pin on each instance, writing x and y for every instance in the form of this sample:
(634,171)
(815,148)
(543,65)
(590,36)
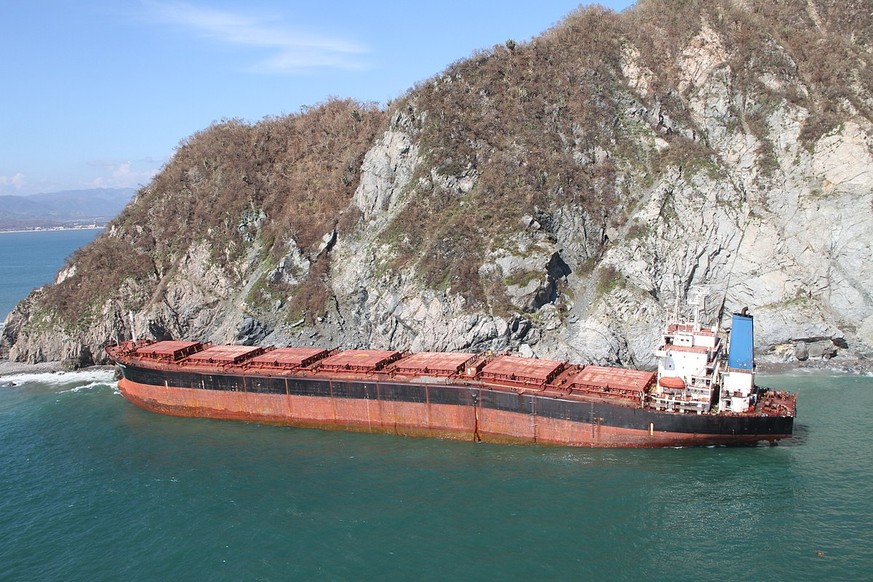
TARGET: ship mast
(697,297)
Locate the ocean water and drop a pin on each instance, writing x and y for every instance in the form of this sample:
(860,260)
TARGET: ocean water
(31,259)
(97,489)
(93,488)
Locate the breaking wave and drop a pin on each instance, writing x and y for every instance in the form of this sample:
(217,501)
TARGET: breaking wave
(88,386)
(78,380)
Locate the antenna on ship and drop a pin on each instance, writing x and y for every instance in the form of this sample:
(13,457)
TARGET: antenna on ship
(676,300)
(697,300)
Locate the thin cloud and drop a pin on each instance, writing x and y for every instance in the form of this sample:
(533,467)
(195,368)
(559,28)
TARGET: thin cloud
(121,175)
(291,50)
(16,181)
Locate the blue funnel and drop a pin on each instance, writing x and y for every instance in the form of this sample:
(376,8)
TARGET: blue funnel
(741,352)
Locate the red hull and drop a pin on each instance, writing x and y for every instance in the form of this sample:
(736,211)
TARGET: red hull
(409,419)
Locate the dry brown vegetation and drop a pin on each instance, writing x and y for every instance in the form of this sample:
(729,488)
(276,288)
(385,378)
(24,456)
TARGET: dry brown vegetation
(300,171)
(818,49)
(541,125)
(519,118)
(528,120)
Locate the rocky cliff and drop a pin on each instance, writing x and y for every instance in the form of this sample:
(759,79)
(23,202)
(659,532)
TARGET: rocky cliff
(555,198)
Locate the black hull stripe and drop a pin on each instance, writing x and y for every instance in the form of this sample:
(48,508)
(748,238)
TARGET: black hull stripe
(604,413)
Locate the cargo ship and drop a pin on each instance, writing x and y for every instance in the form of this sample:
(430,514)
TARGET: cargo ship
(703,392)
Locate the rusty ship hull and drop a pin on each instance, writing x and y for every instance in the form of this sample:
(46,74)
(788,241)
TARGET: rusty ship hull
(550,403)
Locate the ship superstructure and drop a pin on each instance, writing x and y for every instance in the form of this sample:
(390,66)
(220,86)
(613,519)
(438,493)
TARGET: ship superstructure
(689,361)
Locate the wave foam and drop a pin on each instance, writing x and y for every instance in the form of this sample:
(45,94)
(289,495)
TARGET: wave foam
(87,386)
(86,377)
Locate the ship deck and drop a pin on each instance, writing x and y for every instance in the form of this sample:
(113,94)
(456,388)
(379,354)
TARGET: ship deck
(501,372)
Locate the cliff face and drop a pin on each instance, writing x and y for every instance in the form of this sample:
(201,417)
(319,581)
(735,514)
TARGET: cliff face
(553,198)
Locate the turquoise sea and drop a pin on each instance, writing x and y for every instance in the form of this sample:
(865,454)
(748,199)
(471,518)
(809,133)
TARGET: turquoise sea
(31,259)
(94,488)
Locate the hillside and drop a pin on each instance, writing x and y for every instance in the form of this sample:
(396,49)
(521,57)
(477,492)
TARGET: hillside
(553,197)
(63,209)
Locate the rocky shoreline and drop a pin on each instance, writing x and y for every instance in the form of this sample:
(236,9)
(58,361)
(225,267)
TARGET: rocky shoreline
(9,368)
(857,366)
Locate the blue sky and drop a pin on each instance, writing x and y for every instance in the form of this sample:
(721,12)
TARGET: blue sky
(99,93)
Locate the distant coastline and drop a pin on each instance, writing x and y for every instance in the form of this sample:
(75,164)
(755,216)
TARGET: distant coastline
(65,210)
(54,228)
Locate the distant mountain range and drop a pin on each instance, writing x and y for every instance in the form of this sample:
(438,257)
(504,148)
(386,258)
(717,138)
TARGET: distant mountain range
(68,208)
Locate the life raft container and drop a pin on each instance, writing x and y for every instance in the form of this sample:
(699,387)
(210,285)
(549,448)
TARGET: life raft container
(673,382)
